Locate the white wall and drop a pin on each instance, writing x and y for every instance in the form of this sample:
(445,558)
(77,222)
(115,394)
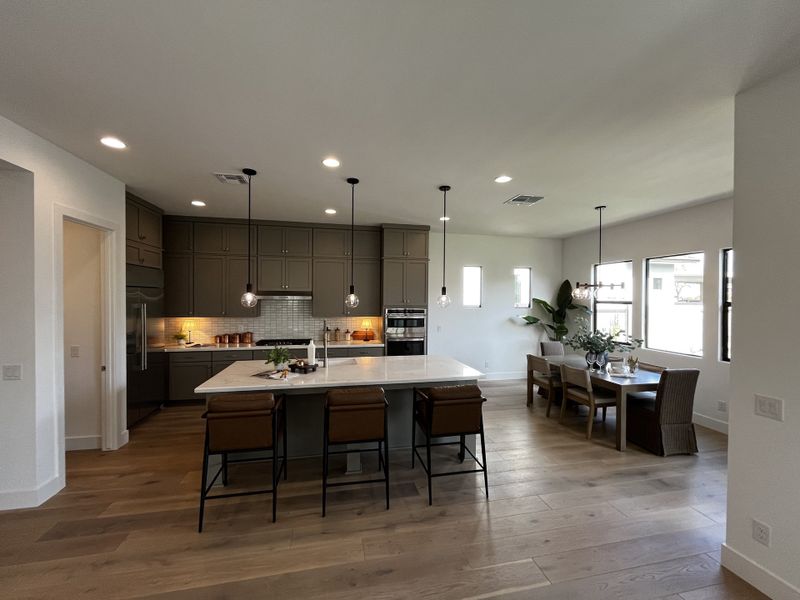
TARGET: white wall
(491,333)
(763,454)
(34,415)
(705,228)
(82,329)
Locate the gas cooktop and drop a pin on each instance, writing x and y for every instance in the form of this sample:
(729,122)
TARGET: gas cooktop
(284,342)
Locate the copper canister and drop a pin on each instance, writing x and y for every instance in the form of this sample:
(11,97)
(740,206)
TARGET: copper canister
(218,339)
(235,338)
(225,338)
(247,337)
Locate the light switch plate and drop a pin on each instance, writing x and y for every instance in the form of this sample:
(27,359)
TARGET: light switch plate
(12,372)
(762,532)
(75,351)
(771,408)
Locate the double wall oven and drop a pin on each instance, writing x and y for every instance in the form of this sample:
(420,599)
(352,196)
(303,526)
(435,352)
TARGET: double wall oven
(405,331)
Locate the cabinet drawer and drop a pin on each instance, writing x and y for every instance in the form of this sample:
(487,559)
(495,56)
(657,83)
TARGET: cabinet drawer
(231,355)
(190,357)
(366,351)
(333,353)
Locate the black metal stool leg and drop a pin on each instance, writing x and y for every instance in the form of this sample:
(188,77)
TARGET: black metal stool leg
(285,446)
(430,468)
(325,464)
(203,484)
(413,427)
(485,467)
(224,468)
(386,453)
(461,451)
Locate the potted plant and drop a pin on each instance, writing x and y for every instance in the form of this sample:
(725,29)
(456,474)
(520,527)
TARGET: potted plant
(279,357)
(180,337)
(598,344)
(556,329)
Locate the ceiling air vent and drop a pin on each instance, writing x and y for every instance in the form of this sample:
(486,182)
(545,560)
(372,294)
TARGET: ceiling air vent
(234,178)
(523,200)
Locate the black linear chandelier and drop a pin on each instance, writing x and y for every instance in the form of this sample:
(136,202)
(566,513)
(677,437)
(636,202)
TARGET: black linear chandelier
(584,291)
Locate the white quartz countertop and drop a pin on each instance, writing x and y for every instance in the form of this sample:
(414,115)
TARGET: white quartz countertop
(368,370)
(229,347)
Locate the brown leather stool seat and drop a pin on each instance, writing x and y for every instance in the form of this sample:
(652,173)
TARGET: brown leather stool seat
(244,422)
(353,416)
(448,411)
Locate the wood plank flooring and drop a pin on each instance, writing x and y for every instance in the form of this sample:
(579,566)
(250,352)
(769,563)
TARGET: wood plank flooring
(566,519)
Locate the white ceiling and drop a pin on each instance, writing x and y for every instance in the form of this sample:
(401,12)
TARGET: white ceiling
(628,103)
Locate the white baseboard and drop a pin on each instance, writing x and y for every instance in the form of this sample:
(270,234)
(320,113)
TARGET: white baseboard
(124,437)
(31,497)
(500,375)
(714,424)
(760,578)
(82,442)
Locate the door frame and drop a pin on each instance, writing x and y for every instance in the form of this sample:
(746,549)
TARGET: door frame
(113,432)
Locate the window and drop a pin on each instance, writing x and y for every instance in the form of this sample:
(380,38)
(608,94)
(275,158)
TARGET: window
(727,298)
(522,287)
(613,309)
(472,287)
(674,311)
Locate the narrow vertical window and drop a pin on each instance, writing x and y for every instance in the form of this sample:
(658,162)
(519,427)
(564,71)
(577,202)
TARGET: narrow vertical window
(613,308)
(522,287)
(472,287)
(727,305)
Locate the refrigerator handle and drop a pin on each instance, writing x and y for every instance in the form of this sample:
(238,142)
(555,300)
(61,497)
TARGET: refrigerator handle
(144,336)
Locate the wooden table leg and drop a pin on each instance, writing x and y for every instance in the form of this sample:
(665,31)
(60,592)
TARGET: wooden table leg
(622,419)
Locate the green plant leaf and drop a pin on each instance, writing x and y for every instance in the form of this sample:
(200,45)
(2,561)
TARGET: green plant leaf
(584,309)
(544,305)
(564,297)
(529,320)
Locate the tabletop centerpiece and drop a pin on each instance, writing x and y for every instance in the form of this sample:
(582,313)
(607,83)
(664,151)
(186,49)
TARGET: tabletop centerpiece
(597,344)
(279,357)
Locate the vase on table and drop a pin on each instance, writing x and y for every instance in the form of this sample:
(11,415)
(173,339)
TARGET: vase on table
(591,357)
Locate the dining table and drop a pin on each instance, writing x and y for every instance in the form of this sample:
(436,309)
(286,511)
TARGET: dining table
(621,385)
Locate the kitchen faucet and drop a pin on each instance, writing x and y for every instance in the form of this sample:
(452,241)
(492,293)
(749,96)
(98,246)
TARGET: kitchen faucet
(324,343)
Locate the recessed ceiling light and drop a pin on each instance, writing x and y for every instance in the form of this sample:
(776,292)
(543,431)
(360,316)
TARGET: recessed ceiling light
(198,203)
(502,179)
(330,211)
(444,218)
(113,142)
(331,162)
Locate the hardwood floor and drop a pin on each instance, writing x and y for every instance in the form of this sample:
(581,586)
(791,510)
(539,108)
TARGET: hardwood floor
(566,519)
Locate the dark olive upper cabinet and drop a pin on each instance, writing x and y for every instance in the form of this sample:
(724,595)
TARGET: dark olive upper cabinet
(208,285)
(405,243)
(284,274)
(237,239)
(405,283)
(131,221)
(297,274)
(284,241)
(367,244)
(270,273)
(178,236)
(179,291)
(329,284)
(236,278)
(220,238)
(332,243)
(367,281)
(142,233)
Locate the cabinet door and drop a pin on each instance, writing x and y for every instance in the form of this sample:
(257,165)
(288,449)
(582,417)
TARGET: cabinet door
(416,244)
(209,237)
(416,282)
(177,236)
(393,282)
(394,243)
(217,367)
(236,277)
(367,244)
(329,287)
(297,274)
(236,239)
(368,287)
(208,283)
(270,274)
(131,221)
(149,227)
(131,254)
(331,242)
(297,241)
(270,241)
(184,377)
(178,285)
(149,257)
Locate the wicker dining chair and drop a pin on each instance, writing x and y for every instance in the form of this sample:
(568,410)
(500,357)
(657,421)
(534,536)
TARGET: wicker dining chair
(664,425)
(647,396)
(577,386)
(549,381)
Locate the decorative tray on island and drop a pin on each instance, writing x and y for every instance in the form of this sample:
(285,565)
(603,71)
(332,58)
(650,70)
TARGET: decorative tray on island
(302,368)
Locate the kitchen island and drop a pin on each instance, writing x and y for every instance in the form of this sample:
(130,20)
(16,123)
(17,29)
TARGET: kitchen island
(398,375)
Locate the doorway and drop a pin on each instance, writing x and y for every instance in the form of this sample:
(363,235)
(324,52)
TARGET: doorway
(83,336)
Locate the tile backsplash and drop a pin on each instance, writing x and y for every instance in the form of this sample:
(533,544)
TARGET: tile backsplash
(279,318)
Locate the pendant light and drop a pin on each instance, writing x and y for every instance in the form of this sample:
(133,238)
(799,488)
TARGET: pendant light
(351,300)
(249,299)
(444,300)
(584,291)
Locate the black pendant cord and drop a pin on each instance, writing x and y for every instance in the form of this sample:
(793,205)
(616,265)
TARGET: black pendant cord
(352,181)
(444,189)
(250,174)
(600,237)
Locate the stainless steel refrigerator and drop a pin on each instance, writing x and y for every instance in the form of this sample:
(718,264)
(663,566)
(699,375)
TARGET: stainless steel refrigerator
(146,359)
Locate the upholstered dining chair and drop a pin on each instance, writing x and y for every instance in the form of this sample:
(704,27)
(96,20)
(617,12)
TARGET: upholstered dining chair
(549,382)
(552,348)
(664,425)
(577,386)
(636,396)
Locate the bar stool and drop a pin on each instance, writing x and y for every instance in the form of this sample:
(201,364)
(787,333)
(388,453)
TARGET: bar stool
(353,416)
(237,423)
(448,412)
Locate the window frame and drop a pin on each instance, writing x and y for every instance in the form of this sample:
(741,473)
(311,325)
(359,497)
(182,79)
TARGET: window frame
(595,301)
(530,284)
(646,344)
(726,305)
(480,287)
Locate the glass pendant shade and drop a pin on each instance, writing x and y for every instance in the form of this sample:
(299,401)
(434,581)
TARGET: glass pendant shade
(249,299)
(444,300)
(351,300)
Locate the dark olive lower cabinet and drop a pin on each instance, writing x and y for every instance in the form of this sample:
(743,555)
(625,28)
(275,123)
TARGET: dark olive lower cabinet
(186,372)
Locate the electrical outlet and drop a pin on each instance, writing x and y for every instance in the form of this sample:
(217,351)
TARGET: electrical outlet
(771,408)
(438,329)
(75,351)
(761,532)
(486,364)
(12,372)
(722,406)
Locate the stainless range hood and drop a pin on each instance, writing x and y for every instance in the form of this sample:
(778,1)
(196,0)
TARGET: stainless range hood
(283,296)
